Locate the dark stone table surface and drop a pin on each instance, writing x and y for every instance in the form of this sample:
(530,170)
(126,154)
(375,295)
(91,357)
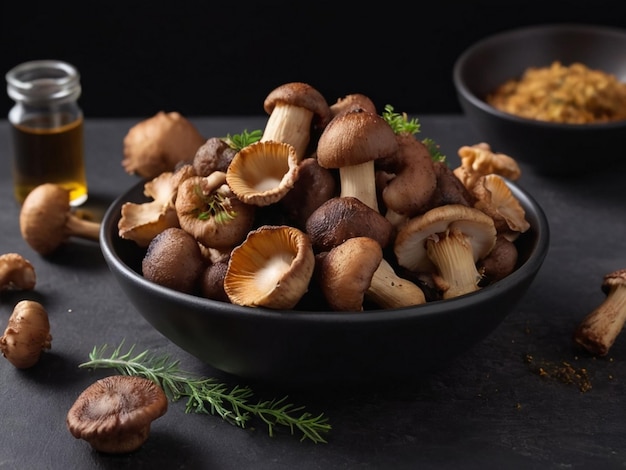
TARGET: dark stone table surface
(503,404)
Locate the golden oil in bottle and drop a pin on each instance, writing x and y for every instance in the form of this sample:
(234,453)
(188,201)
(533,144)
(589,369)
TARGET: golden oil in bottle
(47,128)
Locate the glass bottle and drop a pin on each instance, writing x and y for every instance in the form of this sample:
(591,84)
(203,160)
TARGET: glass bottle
(47,128)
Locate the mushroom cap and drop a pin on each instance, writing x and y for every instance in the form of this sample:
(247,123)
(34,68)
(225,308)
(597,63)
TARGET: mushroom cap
(27,334)
(302,95)
(341,218)
(263,172)
(159,143)
(141,222)
(613,280)
(410,243)
(214,155)
(114,414)
(209,211)
(173,259)
(271,268)
(43,217)
(16,272)
(345,272)
(351,102)
(355,137)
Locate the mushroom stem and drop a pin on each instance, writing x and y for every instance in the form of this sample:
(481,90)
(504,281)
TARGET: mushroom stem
(289,124)
(452,254)
(389,290)
(359,181)
(600,328)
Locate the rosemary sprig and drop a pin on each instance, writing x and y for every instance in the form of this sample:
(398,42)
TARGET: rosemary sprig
(207,395)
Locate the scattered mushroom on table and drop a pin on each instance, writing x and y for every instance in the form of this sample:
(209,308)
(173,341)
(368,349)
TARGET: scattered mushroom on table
(16,272)
(27,334)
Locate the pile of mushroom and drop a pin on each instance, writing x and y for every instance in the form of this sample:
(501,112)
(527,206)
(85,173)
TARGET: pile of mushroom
(335,199)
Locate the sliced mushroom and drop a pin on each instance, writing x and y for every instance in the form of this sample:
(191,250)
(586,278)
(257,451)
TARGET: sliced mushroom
(272,268)
(294,108)
(599,329)
(355,270)
(209,211)
(351,142)
(341,218)
(114,414)
(16,273)
(142,222)
(447,240)
(159,144)
(262,173)
(46,220)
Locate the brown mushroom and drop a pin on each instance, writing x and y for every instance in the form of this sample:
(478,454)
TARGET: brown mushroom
(410,190)
(272,268)
(159,144)
(450,189)
(46,219)
(351,142)
(142,222)
(500,262)
(352,102)
(341,218)
(599,329)
(263,172)
(26,335)
(355,270)
(209,211)
(294,108)
(212,281)
(173,259)
(214,155)
(16,273)
(114,414)
(447,240)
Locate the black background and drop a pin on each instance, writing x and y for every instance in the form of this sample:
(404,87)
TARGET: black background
(223,58)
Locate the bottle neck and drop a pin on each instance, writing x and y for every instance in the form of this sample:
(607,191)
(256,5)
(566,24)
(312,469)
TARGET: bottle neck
(43,83)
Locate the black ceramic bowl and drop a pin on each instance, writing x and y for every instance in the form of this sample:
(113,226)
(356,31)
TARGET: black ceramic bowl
(547,147)
(307,347)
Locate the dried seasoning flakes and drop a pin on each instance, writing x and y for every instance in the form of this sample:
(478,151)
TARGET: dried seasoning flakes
(564,372)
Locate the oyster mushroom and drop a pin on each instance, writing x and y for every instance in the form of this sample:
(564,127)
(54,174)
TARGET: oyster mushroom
(351,142)
(159,144)
(293,109)
(173,259)
(272,268)
(141,222)
(479,160)
(414,180)
(212,213)
(114,414)
(355,270)
(447,240)
(262,173)
(16,273)
(341,218)
(599,329)
(46,219)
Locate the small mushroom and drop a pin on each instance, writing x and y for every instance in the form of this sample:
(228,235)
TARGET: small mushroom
(212,281)
(159,144)
(262,173)
(209,211)
(355,270)
(495,198)
(16,273)
(46,219)
(352,102)
(294,108)
(447,240)
(341,218)
(479,160)
(409,191)
(500,262)
(599,329)
(142,222)
(114,414)
(173,259)
(450,189)
(27,334)
(351,142)
(272,268)
(214,155)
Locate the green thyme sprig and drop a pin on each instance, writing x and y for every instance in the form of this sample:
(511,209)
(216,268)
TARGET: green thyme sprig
(214,205)
(239,141)
(400,123)
(207,395)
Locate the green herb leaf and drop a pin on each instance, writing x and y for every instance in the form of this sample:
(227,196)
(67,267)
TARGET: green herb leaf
(239,141)
(207,395)
(400,122)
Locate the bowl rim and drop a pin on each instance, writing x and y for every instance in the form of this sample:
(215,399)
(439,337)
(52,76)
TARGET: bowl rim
(529,268)
(552,28)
